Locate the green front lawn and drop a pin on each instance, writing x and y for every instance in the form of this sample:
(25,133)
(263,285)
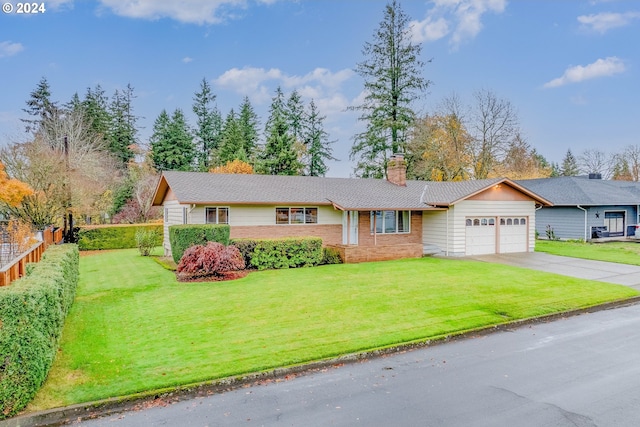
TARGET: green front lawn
(134,328)
(620,252)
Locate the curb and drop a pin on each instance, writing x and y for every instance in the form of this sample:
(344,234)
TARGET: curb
(164,397)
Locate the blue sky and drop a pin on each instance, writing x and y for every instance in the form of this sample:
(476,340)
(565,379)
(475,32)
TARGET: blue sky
(571,68)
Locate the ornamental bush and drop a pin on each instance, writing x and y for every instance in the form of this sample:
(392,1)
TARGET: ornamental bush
(185,236)
(147,239)
(212,259)
(32,313)
(246,248)
(287,253)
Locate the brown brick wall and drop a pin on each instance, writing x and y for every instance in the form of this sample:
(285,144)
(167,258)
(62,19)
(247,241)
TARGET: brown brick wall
(366,238)
(354,254)
(331,234)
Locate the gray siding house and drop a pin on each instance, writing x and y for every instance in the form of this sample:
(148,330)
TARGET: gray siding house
(586,207)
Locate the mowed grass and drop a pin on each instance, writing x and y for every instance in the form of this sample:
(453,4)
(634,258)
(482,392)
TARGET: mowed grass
(134,328)
(620,252)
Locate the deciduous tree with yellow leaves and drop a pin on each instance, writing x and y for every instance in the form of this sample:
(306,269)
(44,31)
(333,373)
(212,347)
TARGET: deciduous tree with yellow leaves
(12,191)
(234,166)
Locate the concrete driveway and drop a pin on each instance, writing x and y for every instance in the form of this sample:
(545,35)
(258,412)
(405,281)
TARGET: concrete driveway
(611,272)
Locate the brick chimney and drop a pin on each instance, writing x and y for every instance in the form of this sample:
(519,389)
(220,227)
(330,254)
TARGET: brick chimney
(397,170)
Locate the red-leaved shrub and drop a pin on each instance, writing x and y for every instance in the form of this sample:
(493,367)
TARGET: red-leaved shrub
(214,259)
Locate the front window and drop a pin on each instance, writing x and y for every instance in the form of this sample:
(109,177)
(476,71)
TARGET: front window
(217,215)
(297,215)
(390,222)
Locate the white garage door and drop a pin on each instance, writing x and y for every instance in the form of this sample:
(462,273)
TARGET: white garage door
(513,234)
(481,236)
(482,232)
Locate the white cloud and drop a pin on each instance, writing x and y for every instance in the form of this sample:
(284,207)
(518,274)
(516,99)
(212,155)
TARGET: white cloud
(321,85)
(428,29)
(601,68)
(187,59)
(187,11)
(8,48)
(603,22)
(461,19)
(58,4)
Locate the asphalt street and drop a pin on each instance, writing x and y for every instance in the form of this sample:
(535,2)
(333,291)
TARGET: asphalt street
(578,371)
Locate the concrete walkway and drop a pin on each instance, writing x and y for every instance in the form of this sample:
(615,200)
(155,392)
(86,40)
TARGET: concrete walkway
(611,272)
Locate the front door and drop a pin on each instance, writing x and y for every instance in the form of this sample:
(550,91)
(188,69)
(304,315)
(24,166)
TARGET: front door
(350,228)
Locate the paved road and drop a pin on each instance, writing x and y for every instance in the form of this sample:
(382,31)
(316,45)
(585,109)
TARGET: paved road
(579,371)
(602,271)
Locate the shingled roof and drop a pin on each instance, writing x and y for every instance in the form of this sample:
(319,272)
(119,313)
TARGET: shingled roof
(578,190)
(343,193)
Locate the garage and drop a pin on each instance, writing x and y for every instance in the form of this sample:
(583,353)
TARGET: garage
(481,235)
(490,235)
(513,233)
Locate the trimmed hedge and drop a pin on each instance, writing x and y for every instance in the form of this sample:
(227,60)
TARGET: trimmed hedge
(281,253)
(114,236)
(32,314)
(183,236)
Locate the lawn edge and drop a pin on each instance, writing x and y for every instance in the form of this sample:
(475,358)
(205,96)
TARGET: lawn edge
(169,395)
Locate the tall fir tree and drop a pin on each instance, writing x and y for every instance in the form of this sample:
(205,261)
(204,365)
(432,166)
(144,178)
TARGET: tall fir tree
(40,108)
(248,123)
(295,115)
(317,141)
(232,143)
(122,133)
(96,110)
(208,132)
(172,143)
(392,74)
(278,156)
(569,165)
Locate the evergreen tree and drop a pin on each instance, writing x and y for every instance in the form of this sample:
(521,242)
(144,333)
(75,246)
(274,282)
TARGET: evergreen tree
(392,74)
(248,124)
(277,110)
(172,143)
(208,131)
(295,115)
(40,108)
(75,104)
(569,165)
(317,141)
(279,157)
(232,143)
(96,111)
(122,132)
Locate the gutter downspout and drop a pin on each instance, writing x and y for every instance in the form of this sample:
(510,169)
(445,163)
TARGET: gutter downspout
(585,221)
(447,247)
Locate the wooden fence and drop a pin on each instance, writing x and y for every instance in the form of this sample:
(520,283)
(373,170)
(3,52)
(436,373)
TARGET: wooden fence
(18,266)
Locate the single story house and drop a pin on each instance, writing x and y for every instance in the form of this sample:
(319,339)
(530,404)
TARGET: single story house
(586,207)
(366,219)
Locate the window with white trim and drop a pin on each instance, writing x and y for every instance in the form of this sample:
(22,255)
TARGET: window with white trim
(296,215)
(216,215)
(390,222)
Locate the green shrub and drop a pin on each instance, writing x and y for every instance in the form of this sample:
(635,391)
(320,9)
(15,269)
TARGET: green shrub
(32,313)
(287,253)
(184,236)
(331,256)
(147,239)
(246,248)
(115,236)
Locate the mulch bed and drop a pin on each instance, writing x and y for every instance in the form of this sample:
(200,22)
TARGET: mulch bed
(228,275)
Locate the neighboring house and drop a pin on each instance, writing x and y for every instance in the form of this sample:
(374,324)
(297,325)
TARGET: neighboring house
(586,207)
(366,219)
